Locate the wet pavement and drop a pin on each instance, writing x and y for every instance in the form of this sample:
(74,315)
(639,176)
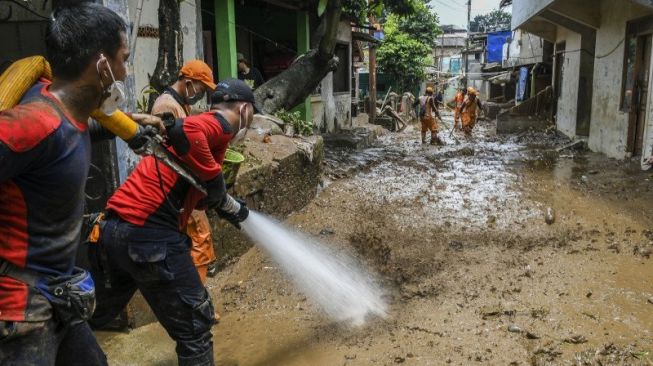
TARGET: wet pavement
(495,250)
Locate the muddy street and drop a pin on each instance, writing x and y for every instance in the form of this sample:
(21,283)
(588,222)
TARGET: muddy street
(495,250)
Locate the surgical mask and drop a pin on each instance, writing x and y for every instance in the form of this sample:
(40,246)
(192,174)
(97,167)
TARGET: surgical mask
(196,96)
(115,93)
(240,135)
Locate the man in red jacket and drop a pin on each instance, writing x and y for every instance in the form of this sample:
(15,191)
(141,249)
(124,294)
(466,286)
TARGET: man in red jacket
(143,237)
(45,152)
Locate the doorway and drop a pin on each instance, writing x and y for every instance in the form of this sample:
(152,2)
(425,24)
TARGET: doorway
(637,117)
(637,73)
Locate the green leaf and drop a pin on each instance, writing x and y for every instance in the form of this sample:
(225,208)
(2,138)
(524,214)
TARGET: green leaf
(321,7)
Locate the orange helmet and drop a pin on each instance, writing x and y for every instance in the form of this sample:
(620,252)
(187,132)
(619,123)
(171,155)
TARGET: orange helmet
(472,91)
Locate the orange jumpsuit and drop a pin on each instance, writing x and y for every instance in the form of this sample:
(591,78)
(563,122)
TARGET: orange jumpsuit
(469,114)
(428,122)
(459,100)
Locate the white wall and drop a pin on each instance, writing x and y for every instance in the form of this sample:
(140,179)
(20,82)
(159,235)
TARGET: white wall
(568,101)
(609,127)
(522,10)
(147,49)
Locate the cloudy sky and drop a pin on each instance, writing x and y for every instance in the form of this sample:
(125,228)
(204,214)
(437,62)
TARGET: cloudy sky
(455,11)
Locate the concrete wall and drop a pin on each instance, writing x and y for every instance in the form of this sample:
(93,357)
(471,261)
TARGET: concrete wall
(568,101)
(147,48)
(609,128)
(332,111)
(524,49)
(522,10)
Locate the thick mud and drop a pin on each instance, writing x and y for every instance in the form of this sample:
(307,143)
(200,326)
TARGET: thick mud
(495,250)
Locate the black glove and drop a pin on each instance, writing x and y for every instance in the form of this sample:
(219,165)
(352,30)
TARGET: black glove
(216,193)
(144,135)
(235,218)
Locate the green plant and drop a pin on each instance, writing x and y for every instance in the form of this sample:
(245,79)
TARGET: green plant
(402,56)
(294,119)
(143,104)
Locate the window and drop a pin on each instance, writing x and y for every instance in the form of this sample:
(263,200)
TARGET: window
(341,75)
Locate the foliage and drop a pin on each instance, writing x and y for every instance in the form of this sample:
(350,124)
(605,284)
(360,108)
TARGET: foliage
(143,104)
(422,25)
(406,48)
(494,21)
(360,10)
(294,119)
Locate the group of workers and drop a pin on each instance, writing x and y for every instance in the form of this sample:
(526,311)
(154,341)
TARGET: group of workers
(143,240)
(467,105)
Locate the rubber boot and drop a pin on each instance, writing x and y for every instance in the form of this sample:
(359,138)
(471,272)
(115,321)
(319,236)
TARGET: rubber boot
(435,140)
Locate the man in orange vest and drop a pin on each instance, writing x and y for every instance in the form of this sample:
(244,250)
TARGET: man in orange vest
(469,110)
(458,101)
(428,108)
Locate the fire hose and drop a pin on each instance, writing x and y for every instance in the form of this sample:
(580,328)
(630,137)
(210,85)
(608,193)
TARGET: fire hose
(24,73)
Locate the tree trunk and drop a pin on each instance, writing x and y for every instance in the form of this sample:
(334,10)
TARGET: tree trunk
(294,85)
(170,55)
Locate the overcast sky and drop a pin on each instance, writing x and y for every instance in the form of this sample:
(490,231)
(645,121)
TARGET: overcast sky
(455,11)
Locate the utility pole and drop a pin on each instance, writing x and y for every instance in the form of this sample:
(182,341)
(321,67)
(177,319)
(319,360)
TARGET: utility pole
(372,88)
(469,31)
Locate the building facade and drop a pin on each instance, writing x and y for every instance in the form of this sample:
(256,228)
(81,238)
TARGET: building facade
(602,69)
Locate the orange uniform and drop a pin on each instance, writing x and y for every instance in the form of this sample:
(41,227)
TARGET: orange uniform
(458,100)
(202,251)
(469,113)
(428,122)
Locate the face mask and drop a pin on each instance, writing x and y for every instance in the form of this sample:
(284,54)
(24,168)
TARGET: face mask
(114,94)
(196,96)
(240,135)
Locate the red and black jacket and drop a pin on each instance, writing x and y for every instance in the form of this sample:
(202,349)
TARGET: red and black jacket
(44,161)
(154,195)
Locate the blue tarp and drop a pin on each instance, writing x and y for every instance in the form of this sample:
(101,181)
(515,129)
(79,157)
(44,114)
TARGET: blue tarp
(495,42)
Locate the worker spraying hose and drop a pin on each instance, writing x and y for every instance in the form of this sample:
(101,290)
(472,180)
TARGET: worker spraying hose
(142,242)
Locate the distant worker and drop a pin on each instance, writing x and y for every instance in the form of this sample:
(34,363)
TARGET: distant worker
(439,99)
(428,108)
(194,82)
(248,73)
(469,110)
(458,101)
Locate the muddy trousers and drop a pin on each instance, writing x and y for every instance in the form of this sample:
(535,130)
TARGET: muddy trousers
(157,262)
(49,343)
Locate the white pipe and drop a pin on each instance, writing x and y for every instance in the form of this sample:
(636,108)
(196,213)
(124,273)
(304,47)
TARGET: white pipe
(137,24)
